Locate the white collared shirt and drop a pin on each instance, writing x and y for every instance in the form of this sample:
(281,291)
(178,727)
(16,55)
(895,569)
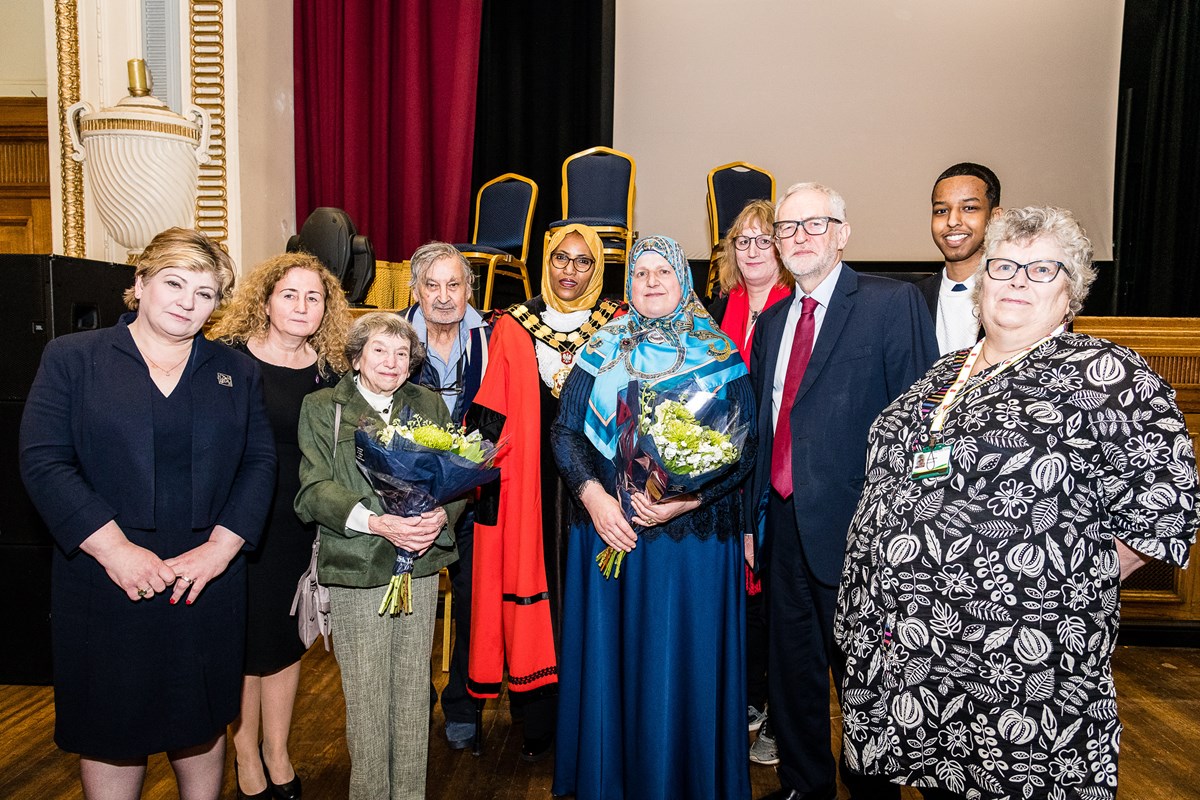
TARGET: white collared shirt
(957,325)
(823,294)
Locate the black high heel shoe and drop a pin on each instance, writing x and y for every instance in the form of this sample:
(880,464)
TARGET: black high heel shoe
(265,794)
(279,791)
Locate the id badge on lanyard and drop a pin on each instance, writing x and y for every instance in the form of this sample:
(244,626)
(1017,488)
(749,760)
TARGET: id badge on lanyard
(933,460)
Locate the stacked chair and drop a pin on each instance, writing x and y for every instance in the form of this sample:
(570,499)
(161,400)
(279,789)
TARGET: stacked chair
(730,187)
(499,246)
(598,189)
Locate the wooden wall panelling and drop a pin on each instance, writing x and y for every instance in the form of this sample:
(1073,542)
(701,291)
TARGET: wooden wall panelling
(1171,345)
(24,176)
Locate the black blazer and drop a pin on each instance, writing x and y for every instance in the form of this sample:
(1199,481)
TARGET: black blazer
(930,288)
(875,341)
(87,451)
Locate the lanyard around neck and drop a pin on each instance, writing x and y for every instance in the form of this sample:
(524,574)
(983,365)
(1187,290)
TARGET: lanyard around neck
(956,393)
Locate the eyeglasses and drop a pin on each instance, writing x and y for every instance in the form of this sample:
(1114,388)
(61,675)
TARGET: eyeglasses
(762,242)
(562,261)
(1003,269)
(813,226)
(455,388)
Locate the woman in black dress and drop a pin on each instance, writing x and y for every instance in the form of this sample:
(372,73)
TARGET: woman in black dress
(290,315)
(147,450)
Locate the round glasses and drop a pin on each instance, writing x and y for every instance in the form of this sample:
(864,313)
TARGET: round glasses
(813,226)
(1044,271)
(763,242)
(562,261)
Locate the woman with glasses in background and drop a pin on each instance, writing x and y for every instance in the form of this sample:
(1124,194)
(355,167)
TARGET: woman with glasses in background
(752,280)
(1008,492)
(533,349)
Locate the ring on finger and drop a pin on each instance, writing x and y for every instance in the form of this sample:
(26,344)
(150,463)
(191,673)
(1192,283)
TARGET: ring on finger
(186,579)
(143,593)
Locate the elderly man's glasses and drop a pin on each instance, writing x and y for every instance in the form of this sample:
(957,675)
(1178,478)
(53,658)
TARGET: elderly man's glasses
(562,261)
(1003,269)
(813,226)
(743,242)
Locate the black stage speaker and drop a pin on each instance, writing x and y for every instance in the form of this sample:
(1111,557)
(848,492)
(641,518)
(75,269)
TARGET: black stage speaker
(43,296)
(48,296)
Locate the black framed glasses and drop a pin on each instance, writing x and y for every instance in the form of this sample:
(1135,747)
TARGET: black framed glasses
(1043,271)
(455,388)
(763,242)
(813,226)
(562,261)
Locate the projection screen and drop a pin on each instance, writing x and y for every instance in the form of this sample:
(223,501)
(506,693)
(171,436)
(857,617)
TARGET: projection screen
(874,99)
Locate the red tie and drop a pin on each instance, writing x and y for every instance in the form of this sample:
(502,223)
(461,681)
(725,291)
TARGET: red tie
(781,450)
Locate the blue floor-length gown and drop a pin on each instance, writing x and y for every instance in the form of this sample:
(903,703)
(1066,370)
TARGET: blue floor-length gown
(652,689)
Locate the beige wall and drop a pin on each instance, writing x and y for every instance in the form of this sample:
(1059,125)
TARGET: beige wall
(873,98)
(22,49)
(266,172)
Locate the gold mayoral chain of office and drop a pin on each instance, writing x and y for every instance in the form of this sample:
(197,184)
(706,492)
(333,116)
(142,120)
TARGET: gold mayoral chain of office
(565,343)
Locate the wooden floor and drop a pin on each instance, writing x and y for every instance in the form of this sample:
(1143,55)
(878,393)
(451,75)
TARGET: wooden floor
(1159,691)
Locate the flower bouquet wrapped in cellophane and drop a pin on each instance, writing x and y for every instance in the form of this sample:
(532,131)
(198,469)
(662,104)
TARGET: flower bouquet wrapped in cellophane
(670,442)
(415,465)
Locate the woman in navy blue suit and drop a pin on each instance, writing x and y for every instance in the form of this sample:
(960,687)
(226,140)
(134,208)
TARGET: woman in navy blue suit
(148,452)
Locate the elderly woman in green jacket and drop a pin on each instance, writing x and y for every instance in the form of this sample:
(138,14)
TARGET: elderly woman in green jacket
(384,660)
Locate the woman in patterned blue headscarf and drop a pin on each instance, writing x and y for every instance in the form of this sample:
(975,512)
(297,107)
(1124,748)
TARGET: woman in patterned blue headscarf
(652,691)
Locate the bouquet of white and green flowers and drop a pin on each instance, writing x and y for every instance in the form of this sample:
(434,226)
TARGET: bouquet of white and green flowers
(414,466)
(670,442)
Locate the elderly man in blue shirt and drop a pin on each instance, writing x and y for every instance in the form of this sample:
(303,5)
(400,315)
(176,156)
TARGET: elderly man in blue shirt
(456,340)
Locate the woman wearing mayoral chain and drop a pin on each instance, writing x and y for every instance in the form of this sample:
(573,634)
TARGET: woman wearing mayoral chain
(520,550)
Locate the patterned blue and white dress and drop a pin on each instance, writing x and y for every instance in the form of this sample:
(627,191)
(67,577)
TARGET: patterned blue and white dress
(978,611)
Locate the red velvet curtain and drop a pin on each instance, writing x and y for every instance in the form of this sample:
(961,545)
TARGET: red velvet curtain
(385,116)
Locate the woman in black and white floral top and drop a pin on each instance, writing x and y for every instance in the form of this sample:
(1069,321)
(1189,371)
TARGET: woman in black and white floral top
(1008,492)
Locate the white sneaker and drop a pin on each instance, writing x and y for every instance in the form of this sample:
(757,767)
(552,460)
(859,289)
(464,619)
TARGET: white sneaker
(756,717)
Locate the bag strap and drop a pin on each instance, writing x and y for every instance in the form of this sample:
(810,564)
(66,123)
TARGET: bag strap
(337,425)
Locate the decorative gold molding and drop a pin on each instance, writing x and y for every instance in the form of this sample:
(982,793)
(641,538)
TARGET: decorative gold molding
(208,92)
(66,38)
(105,125)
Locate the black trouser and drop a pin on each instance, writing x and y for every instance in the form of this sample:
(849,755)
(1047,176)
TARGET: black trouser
(801,656)
(757,642)
(457,704)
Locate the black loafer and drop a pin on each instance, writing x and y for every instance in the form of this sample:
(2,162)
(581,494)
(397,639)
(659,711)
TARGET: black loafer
(534,750)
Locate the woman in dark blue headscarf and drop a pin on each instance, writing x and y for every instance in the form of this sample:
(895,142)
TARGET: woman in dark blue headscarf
(652,691)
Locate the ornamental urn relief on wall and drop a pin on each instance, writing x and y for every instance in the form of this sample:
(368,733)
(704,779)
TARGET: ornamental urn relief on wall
(142,161)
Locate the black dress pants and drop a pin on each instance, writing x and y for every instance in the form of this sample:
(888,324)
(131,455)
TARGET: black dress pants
(800,658)
(457,704)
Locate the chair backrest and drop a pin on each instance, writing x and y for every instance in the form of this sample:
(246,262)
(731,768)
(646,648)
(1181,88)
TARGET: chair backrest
(599,183)
(330,235)
(730,187)
(504,214)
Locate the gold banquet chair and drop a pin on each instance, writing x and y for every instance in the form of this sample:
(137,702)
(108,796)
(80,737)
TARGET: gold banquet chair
(599,186)
(730,187)
(499,245)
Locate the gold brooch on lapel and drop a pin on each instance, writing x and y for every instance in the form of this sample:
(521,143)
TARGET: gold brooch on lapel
(224,380)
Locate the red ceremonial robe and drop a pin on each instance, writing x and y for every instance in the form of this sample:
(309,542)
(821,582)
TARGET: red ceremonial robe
(510,607)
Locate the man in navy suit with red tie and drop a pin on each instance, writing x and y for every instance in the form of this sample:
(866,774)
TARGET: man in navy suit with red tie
(823,365)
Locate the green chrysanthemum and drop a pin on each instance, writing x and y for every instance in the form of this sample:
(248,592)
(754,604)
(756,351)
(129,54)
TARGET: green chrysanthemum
(433,436)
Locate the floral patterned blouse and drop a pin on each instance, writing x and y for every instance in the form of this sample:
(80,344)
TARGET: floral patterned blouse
(978,611)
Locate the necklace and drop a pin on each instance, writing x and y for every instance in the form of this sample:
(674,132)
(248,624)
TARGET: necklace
(167,372)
